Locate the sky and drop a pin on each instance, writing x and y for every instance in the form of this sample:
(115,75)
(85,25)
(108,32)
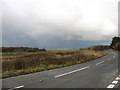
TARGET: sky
(59,24)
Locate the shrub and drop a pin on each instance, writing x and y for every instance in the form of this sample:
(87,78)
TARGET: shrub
(21,49)
(117,46)
(100,48)
(115,40)
(42,49)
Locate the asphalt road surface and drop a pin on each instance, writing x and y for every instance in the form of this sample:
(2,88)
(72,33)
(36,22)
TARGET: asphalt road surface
(99,73)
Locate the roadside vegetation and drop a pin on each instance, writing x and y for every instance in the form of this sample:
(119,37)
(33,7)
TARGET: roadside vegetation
(19,62)
(115,44)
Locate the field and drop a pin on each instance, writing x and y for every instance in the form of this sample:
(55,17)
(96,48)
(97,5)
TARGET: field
(19,63)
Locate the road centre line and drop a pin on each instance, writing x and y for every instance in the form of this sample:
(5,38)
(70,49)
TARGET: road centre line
(109,59)
(40,80)
(70,72)
(114,54)
(100,63)
(17,87)
(80,69)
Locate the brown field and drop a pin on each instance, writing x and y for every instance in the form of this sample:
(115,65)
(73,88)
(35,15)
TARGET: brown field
(19,63)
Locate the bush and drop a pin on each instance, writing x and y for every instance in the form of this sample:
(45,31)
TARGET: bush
(21,49)
(42,49)
(100,48)
(115,40)
(117,46)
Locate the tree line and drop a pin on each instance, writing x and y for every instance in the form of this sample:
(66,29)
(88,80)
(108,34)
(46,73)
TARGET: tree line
(21,49)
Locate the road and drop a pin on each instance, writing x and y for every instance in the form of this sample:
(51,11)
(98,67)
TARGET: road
(99,73)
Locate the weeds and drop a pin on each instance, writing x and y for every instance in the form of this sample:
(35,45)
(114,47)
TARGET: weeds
(27,62)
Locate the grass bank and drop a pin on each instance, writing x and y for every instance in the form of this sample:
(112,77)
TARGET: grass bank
(19,63)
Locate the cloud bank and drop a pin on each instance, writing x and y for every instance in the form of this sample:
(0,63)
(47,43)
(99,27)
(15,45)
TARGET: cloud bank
(46,22)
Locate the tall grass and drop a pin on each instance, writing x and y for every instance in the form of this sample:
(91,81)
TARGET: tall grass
(39,61)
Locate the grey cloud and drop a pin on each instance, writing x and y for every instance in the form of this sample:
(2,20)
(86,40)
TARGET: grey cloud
(54,25)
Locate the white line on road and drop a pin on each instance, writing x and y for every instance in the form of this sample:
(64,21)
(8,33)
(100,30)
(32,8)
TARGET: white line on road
(71,72)
(118,78)
(114,82)
(17,87)
(110,86)
(100,63)
(114,54)
(113,57)
(40,80)
(109,59)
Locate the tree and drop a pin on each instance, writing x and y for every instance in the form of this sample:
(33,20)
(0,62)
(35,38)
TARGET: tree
(115,40)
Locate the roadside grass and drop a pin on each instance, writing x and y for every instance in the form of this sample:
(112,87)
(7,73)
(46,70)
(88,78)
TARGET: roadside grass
(20,63)
(0,53)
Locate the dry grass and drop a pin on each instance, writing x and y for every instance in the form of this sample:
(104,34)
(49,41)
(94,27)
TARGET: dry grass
(93,53)
(27,62)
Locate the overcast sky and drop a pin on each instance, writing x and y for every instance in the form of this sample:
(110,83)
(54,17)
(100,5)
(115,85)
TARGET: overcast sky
(59,23)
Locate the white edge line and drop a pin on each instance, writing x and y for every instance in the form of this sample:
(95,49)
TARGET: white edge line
(110,86)
(70,72)
(17,87)
(114,82)
(117,78)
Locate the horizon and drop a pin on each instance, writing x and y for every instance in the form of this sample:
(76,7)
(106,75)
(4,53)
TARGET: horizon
(61,48)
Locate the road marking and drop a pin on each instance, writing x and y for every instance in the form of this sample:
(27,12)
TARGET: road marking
(113,57)
(99,63)
(118,78)
(114,82)
(40,80)
(17,87)
(110,86)
(114,54)
(109,59)
(71,72)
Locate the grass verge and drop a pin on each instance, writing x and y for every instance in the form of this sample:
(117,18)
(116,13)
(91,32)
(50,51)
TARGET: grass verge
(24,63)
